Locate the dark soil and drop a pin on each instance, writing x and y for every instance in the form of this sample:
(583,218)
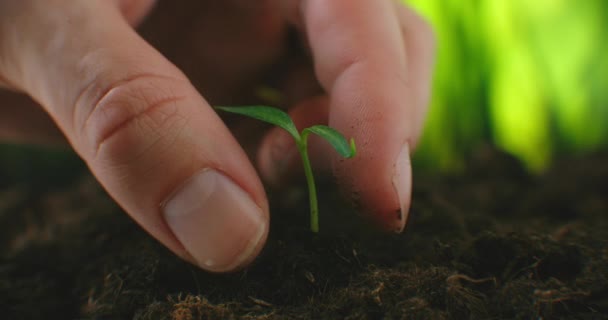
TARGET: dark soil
(492,243)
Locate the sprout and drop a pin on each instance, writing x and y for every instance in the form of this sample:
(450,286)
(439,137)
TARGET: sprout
(281,119)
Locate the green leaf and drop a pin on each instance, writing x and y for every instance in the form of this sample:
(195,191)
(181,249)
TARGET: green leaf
(336,139)
(271,115)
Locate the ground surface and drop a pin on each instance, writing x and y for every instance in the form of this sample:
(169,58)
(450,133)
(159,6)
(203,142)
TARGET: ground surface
(493,243)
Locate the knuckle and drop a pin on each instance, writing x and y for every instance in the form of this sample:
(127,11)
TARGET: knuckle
(133,117)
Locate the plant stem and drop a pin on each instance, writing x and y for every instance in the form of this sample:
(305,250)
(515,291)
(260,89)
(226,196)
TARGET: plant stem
(310,179)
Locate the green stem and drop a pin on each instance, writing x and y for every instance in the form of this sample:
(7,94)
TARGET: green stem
(310,179)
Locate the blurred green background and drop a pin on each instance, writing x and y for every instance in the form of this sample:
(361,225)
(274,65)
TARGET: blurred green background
(528,76)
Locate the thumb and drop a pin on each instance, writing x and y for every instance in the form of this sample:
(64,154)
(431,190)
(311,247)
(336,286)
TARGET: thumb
(151,140)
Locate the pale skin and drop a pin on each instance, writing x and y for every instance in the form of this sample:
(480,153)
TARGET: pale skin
(156,145)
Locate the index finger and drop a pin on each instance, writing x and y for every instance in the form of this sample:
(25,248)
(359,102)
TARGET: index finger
(364,60)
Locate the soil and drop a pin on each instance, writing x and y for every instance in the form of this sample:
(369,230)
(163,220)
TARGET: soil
(491,243)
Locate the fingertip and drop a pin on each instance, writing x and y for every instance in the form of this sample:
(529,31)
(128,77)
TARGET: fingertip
(379,178)
(219,225)
(276,157)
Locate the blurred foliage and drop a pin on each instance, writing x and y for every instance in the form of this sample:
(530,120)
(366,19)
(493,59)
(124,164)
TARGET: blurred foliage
(528,76)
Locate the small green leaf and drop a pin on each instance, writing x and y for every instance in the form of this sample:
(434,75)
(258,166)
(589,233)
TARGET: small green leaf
(335,138)
(271,115)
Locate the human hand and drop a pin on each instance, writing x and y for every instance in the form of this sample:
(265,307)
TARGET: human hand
(158,147)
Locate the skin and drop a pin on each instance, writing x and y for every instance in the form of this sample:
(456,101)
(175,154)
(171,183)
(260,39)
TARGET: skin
(364,67)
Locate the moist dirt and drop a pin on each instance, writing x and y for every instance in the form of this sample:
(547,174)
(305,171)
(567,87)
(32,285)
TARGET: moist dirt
(492,242)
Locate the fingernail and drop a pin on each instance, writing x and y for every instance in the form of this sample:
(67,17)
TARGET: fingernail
(215,220)
(402,182)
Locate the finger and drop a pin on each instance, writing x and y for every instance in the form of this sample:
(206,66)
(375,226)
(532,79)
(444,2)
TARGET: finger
(147,135)
(366,64)
(134,11)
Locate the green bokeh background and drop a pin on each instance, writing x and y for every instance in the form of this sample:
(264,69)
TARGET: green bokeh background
(528,76)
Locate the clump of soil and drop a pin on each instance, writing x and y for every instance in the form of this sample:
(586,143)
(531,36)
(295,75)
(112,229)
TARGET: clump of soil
(491,243)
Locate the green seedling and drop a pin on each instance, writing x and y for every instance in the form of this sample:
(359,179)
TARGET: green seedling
(281,119)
